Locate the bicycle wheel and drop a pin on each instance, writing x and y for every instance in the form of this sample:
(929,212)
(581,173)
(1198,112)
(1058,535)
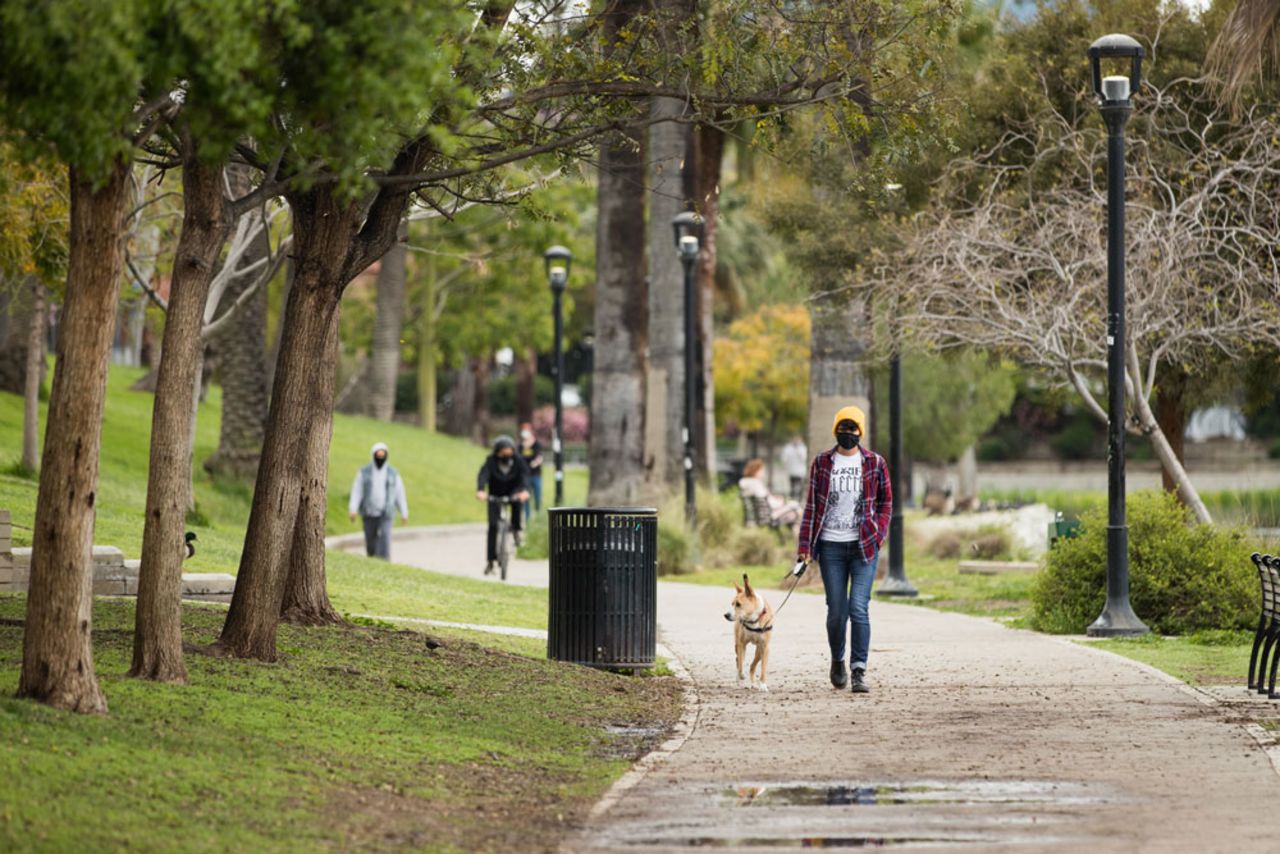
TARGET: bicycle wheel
(504,548)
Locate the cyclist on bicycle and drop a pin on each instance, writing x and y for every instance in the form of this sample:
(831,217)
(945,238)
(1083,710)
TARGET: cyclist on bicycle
(503,475)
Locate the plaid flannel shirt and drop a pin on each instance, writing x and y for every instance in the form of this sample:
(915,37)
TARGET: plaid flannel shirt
(877,502)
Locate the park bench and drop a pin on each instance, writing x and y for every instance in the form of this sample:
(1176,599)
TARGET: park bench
(1266,640)
(756,513)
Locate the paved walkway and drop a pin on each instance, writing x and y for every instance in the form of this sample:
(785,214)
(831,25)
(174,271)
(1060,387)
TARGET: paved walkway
(975,736)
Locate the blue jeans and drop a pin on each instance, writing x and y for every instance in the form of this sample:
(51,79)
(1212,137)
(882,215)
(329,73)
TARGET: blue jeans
(535,492)
(847,576)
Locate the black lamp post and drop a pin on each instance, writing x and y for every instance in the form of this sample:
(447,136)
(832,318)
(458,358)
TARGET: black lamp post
(896,583)
(687,227)
(1117,617)
(558,260)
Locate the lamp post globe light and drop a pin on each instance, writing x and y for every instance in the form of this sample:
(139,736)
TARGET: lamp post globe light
(1114,91)
(687,227)
(558,260)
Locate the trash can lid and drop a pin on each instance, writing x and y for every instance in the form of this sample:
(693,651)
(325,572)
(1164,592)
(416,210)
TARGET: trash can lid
(607,511)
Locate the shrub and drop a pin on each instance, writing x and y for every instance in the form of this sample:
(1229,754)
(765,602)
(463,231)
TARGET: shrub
(675,547)
(1274,451)
(989,542)
(994,449)
(1183,577)
(755,547)
(946,545)
(1076,440)
(716,521)
(406,391)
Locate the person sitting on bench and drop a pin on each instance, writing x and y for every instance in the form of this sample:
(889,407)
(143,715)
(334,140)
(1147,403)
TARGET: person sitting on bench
(782,511)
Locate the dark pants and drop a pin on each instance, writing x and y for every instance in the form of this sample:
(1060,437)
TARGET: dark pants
(847,576)
(797,487)
(377,536)
(494,510)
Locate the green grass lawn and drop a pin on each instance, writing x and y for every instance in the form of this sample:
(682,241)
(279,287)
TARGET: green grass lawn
(439,473)
(357,738)
(1204,658)
(359,585)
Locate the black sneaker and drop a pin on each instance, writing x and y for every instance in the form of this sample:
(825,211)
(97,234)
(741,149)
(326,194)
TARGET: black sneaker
(859,686)
(488,568)
(839,677)
(519,540)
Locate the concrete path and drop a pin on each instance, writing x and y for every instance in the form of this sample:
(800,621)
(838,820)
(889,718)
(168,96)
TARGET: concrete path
(974,735)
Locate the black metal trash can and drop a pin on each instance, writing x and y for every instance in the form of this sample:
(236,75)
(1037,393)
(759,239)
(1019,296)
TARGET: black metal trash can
(602,602)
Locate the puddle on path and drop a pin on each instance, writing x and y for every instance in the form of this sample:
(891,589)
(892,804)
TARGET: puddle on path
(963,792)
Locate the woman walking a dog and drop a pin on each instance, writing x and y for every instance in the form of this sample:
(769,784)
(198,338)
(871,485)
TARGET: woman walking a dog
(846,518)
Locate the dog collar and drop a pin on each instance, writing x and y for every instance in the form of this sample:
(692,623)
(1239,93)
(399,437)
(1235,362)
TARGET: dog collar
(746,624)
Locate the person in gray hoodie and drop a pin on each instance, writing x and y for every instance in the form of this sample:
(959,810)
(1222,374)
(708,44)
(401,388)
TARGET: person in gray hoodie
(376,493)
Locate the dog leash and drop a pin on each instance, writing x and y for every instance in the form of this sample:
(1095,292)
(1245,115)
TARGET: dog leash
(796,572)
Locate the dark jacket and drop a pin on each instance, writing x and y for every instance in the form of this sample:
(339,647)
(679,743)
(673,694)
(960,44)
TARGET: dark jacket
(492,478)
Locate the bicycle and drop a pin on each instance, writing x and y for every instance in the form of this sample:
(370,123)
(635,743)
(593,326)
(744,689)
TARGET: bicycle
(504,527)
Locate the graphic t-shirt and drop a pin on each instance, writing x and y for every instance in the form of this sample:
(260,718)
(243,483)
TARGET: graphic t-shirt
(844,503)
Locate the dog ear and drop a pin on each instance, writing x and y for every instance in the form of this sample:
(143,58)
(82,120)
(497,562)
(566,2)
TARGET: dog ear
(746,585)
(737,588)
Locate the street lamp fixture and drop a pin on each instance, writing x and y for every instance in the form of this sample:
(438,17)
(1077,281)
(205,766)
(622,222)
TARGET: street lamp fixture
(1114,91)
(688,228)
(558,261)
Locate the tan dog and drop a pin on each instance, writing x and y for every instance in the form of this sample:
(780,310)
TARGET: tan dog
(752,620)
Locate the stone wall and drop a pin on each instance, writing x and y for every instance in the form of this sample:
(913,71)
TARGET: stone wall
(112,574)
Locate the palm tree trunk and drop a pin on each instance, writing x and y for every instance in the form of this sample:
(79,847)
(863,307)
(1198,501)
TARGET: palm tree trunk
(708,159)
(617,449)
(838,374)
(664,413)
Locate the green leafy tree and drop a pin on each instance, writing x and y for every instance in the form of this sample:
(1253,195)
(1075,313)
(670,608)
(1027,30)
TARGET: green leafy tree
(82,83)
(948,402)
(761,369)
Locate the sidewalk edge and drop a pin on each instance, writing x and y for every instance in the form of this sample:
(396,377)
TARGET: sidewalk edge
(681,732)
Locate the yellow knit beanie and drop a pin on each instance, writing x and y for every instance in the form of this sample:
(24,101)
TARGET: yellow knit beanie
(850,413)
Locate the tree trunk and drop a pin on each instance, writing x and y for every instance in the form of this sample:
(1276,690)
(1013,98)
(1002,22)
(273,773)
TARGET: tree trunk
(837,370)
(1149,427)
(384,360)
(57,653)
(616,455)
(480,422)
(299,405)
(31,387)
(665,399)
(273,353)
(709,156)
(526,385)
(306,599)
(462,400)
(967,478)
(428,352)
(15,321)
(1171,415)
(242,370)
(157,639)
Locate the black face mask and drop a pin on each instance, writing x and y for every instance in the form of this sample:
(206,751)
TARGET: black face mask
(379,461)
(505,462)
(848,441)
